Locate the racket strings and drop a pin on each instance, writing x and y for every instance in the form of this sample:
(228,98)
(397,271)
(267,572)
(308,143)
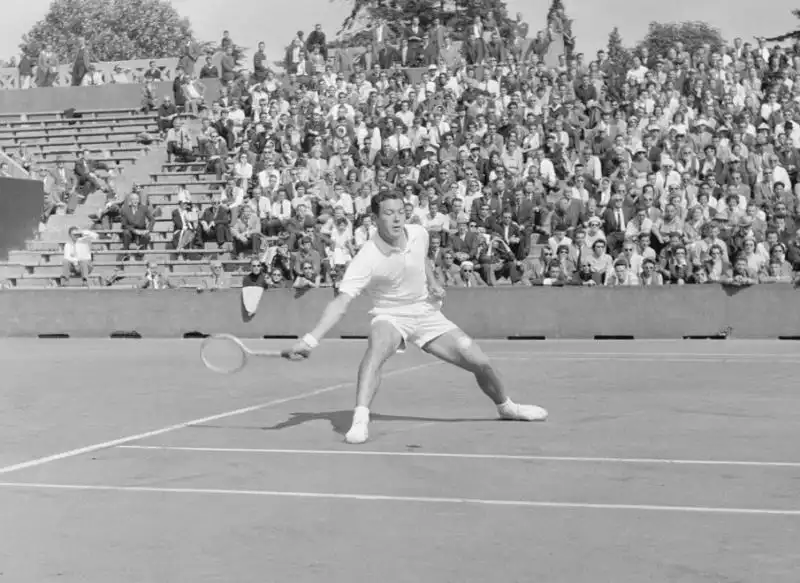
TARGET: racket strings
(223,355)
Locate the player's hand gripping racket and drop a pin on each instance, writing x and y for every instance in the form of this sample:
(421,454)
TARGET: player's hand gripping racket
(226,354)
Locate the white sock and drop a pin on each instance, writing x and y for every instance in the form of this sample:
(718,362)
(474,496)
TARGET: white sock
(505,404)
(361,415)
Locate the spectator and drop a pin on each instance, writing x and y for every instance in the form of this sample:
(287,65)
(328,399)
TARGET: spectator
(215,224)
(218,279)
(154,278)
(83,64)
(78,255)
(92,77)
(307,278)
(185,227)
(246,233)
(167,112)
(468,277)
(153,72)
(26,66)
(47,67)
(86,173)
(137,223)
(190,53)
(227,66)
(209,70)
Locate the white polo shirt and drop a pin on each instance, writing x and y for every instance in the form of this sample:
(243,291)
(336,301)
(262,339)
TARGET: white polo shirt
(394,278)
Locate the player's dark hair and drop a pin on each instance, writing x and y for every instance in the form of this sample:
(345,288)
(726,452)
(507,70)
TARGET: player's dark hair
(375,204)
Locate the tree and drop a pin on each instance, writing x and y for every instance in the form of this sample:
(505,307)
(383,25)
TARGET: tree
(617,52)
(662,36)
(115,30)
(792,34)
(456,14)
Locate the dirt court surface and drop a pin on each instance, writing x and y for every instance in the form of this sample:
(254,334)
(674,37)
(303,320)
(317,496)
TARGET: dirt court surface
(125,461)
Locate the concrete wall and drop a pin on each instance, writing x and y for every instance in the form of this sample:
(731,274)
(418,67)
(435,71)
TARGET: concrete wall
(767,311)
(44,99)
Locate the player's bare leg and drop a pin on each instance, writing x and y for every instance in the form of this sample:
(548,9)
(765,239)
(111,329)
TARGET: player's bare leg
(384,340)
(455,347)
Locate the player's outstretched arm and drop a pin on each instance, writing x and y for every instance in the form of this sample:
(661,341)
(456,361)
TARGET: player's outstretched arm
(331,315)
(434,287)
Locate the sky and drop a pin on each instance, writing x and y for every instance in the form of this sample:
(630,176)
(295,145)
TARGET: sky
(276,21)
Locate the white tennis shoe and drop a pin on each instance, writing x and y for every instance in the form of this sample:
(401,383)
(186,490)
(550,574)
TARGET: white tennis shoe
(515,412)
(359,433)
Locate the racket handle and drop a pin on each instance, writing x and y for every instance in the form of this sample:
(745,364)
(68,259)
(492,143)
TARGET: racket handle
(289,355)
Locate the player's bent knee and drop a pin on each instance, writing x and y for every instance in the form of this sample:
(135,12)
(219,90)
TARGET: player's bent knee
(476,361)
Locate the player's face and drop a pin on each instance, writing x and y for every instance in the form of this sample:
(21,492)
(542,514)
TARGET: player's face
(391,218)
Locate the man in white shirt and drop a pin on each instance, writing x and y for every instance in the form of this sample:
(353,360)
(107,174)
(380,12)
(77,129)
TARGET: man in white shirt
(78,255)
(392,268)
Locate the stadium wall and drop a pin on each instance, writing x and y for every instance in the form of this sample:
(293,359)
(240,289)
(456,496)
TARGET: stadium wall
(122,96)
(768,311)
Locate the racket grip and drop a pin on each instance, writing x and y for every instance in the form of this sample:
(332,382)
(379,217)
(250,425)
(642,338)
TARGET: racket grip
(289,355)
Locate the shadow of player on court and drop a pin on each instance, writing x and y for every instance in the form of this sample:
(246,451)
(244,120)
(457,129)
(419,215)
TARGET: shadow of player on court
(341,420)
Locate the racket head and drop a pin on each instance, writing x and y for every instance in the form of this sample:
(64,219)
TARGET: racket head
(224,354)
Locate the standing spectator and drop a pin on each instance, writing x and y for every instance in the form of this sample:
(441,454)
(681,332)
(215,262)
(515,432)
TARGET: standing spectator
(227,66)
(81,65)
(260,65)
(137,223)
(47,67)
(190,53)
(78,255)
(26,65)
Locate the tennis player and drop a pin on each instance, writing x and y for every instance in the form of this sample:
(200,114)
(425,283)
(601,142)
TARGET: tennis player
(392,269)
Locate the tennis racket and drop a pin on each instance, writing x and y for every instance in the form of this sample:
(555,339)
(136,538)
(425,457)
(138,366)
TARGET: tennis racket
(226,354)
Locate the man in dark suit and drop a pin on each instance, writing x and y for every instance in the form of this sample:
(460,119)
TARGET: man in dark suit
(516,238)
(215,224)
(137,223)
(615,220)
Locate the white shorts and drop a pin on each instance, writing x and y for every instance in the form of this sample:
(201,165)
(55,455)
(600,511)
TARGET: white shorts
(417,328)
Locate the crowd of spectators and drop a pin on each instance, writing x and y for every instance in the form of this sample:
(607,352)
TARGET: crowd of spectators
(681,169)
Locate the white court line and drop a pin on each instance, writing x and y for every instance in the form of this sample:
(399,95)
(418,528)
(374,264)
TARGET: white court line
(123,440)
(471,456)
(412,499)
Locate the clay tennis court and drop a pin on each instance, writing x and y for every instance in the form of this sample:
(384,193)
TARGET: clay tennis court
(126,461)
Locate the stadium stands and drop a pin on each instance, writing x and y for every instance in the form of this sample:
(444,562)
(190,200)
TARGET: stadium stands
(531,165)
